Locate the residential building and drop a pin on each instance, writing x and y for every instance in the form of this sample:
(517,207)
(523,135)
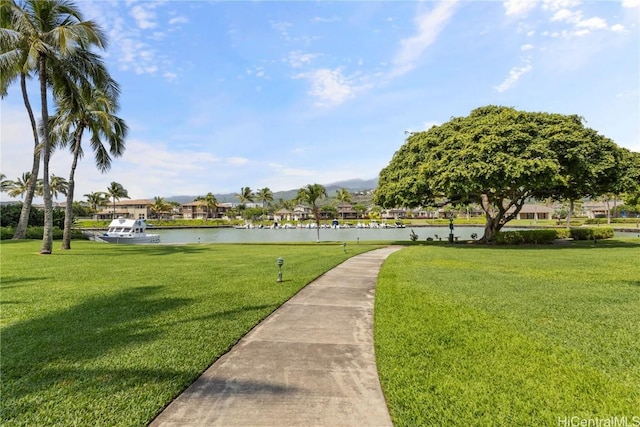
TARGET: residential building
(137,209)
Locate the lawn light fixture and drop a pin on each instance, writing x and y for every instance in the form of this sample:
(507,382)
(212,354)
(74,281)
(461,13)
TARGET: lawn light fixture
(344,247)
(280,262)
(451,229)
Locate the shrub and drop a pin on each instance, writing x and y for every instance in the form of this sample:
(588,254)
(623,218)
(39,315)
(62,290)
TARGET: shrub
(546,236)
(36,233)
(6,233)
(591,233)
(613,221)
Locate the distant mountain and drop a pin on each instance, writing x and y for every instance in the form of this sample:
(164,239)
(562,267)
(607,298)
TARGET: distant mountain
(353,185)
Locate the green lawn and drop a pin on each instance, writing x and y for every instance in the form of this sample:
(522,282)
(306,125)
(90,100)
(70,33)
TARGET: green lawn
(469,335)
(109,334)
(465,334)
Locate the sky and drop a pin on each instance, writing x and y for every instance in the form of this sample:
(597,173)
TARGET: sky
(220,95)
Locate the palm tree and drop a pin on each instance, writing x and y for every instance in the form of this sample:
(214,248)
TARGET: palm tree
(37,36)
(286,204)
(96,199)
(20,186)
(310,195)
(116,191)
(160,206)
(5,184)
(343,197)
(209,201)
(265,196)
(89,109)
(245,195)
(13,63)
(59,185)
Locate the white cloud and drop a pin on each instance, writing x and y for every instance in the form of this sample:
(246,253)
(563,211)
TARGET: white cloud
(130,29)
(526,47)
(329,86)
(297,59)
(559,4)
(630,3)
(326,20)
(144,16)
(618,28)
(178,20)
(594,23)
(282,28)
(513,77)
(429,25)
(518,7)
(237,161)
(566,15)
(170,76)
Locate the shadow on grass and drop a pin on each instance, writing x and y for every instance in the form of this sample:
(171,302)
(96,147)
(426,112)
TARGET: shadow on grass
(13,282)
(35,351)
(580,244)
(226,315)
(146,249)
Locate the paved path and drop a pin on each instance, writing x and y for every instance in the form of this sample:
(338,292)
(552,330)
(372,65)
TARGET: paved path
(311,363)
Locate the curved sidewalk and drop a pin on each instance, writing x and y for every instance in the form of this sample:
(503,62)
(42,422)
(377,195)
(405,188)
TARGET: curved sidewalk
(310,363)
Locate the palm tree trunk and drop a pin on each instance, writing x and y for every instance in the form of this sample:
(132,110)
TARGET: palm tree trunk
(23,222)
(316,213)
(47,236)
(68,210)
(570,213)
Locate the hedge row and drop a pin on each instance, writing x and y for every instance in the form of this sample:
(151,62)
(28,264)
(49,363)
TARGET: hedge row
(36,233)
(591,233)
(613,221)
(547,236)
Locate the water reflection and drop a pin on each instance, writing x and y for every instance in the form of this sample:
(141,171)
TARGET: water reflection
(266,235)
(232,235)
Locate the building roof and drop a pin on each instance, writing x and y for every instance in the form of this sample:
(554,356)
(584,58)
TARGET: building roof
(129,202)
(531,208)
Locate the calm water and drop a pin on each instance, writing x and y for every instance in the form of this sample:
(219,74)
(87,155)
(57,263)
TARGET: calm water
(232,235)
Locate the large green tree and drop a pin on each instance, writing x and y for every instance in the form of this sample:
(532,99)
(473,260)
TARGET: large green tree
(310,195)
(498,157)
(39,36)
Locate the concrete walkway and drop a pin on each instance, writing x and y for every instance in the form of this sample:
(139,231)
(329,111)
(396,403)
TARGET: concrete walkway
(311,363)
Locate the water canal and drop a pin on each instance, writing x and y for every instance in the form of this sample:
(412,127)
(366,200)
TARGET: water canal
(267,235)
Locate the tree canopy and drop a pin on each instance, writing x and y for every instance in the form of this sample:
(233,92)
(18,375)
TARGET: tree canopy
(498,157)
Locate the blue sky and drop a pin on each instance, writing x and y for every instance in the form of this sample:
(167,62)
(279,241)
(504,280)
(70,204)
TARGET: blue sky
(221,95)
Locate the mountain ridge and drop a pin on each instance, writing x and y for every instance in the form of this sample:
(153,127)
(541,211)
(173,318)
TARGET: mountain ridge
(352,185)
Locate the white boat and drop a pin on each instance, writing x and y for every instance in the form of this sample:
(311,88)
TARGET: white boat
(127,230)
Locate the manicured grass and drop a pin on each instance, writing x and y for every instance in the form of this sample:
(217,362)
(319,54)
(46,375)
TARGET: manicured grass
(109,334)
(469,335)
